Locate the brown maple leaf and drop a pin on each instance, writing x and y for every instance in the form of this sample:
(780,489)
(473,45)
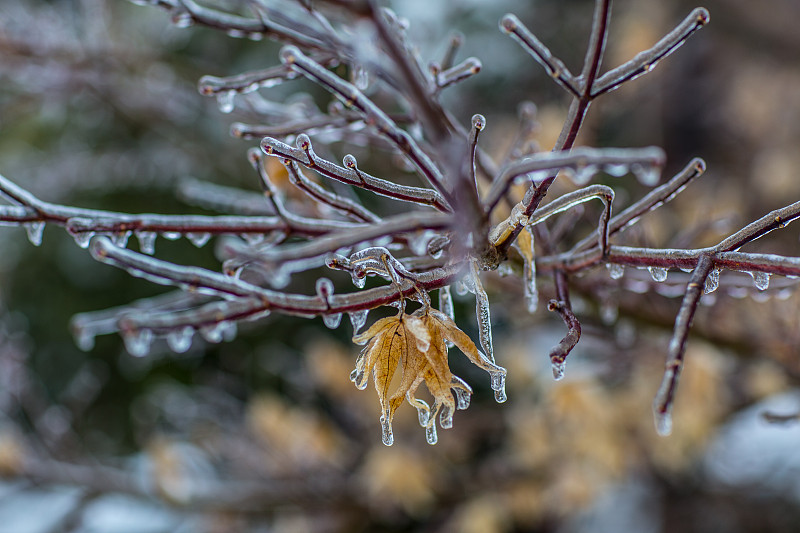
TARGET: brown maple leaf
(417,343)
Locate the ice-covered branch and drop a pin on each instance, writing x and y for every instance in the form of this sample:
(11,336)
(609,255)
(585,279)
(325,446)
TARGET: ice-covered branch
(351,174)
(662,405)
(645,61)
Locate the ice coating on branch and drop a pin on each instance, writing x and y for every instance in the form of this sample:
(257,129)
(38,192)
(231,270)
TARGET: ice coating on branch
(147,241)
(180,340)
(615,271)
(137,341)
(658,274)
(760,279)
(34,231)
(182,19)
(712,282)
(663,421)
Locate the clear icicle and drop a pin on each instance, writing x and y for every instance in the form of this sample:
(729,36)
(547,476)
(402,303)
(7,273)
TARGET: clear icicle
(34,231)
(147,241)
(423,412)
(615,271)
(198,239)
(499,386)
(462,398)
(658,274)
(386,430)
(225,101)
(137,341)
(712,282)
(446,302)
(358,319)
(180,340)
(761,280)
(430,434)
(482,312)
(332,321)
(559,368)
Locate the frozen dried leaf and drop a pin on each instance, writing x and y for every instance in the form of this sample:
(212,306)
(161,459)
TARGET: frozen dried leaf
(417,344)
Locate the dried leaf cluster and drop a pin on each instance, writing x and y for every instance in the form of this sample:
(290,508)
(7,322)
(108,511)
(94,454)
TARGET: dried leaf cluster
(417,345)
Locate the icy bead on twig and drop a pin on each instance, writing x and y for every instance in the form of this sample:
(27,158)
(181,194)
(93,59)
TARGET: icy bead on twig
(582,162)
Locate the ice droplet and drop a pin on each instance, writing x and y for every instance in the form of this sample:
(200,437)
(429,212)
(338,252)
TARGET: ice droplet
(225,101)
(34,231)
(658,274)
(712,282)
(761,280)
(462,398)
(615,271)
(120,238)
(583,174)
(359,377)
(559,368)
(358,319)
(616,170)
(418,242)
(663,420)
(84,339)
(137,341)
(386,430)
(82,238)
(430,434)
(359,278)
(147,241)
(171,235)
(198,239)
(332,321)
(446,417)
(647,175)
(360,77)
(213,332)
(180,340)
(460,288)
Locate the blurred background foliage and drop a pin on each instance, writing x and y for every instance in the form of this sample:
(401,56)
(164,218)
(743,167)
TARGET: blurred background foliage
(99,108)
